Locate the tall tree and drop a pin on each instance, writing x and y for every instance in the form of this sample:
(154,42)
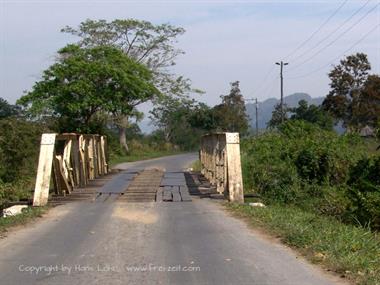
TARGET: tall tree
(378,133)
(171,116)
(183,121)
(313,114)
(231,114)
(367,109)
(146,43)
(279,115)
(347,82)
(86,82)
(143,41)
(203,117)
(8,110)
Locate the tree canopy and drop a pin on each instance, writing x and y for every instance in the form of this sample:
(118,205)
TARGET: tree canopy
(182,121)
(354,95)
(367,109)
(86,82)
(143,41)
(8,110)
(146,43)
(279,115)
(231,113)
(312,114)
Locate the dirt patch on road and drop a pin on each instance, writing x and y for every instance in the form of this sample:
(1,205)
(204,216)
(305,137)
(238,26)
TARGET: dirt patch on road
(134,215)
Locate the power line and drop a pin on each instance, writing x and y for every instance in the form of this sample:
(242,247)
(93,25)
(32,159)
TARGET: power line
(333,32)
(270,88)
(347,50)
(264,80)
(317,30)
(267,75)
(256,113)
(337,38)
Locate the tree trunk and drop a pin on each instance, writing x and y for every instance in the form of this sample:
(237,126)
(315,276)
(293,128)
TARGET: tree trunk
(121,121)
(123,139)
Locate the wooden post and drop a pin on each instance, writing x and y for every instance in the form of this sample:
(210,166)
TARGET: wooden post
(225,171)
(221,165)
(235,180)
(66,158)
(62,181)
(66,164)
(99,160)
(90,152)
(41,190)
(82,161)
(103,152)
(75,159)
(95,155)
(106,155)
(86,146)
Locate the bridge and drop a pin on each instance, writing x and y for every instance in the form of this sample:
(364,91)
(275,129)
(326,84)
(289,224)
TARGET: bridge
(73,161)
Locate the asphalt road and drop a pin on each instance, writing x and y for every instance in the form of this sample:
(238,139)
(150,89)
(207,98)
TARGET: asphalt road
(148,243)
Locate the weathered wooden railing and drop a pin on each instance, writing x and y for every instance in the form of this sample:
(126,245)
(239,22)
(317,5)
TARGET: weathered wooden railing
(74,160)
(220,162)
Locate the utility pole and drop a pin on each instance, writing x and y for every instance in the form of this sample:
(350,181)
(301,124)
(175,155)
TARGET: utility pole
(257,118)
(281,64)
(257,113)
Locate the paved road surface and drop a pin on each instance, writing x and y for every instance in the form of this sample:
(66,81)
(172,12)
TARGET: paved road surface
(148,243)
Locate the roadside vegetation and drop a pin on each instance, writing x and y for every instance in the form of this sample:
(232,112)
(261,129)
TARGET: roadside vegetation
(322,189)
(19,147)
(322,195)
(196,165)
(29,214)
(317,170)
(351,251)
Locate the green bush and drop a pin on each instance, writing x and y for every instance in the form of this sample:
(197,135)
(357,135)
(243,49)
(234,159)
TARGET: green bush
(313,165)
(364,191)
(19,148)
(315,169)
(16,191)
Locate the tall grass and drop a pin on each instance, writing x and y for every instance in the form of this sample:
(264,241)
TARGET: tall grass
(316,170)
(353,252)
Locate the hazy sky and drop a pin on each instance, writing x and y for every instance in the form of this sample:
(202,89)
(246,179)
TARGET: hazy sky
(224,40)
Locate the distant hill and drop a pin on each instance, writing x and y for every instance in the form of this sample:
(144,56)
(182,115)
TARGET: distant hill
(266,107)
